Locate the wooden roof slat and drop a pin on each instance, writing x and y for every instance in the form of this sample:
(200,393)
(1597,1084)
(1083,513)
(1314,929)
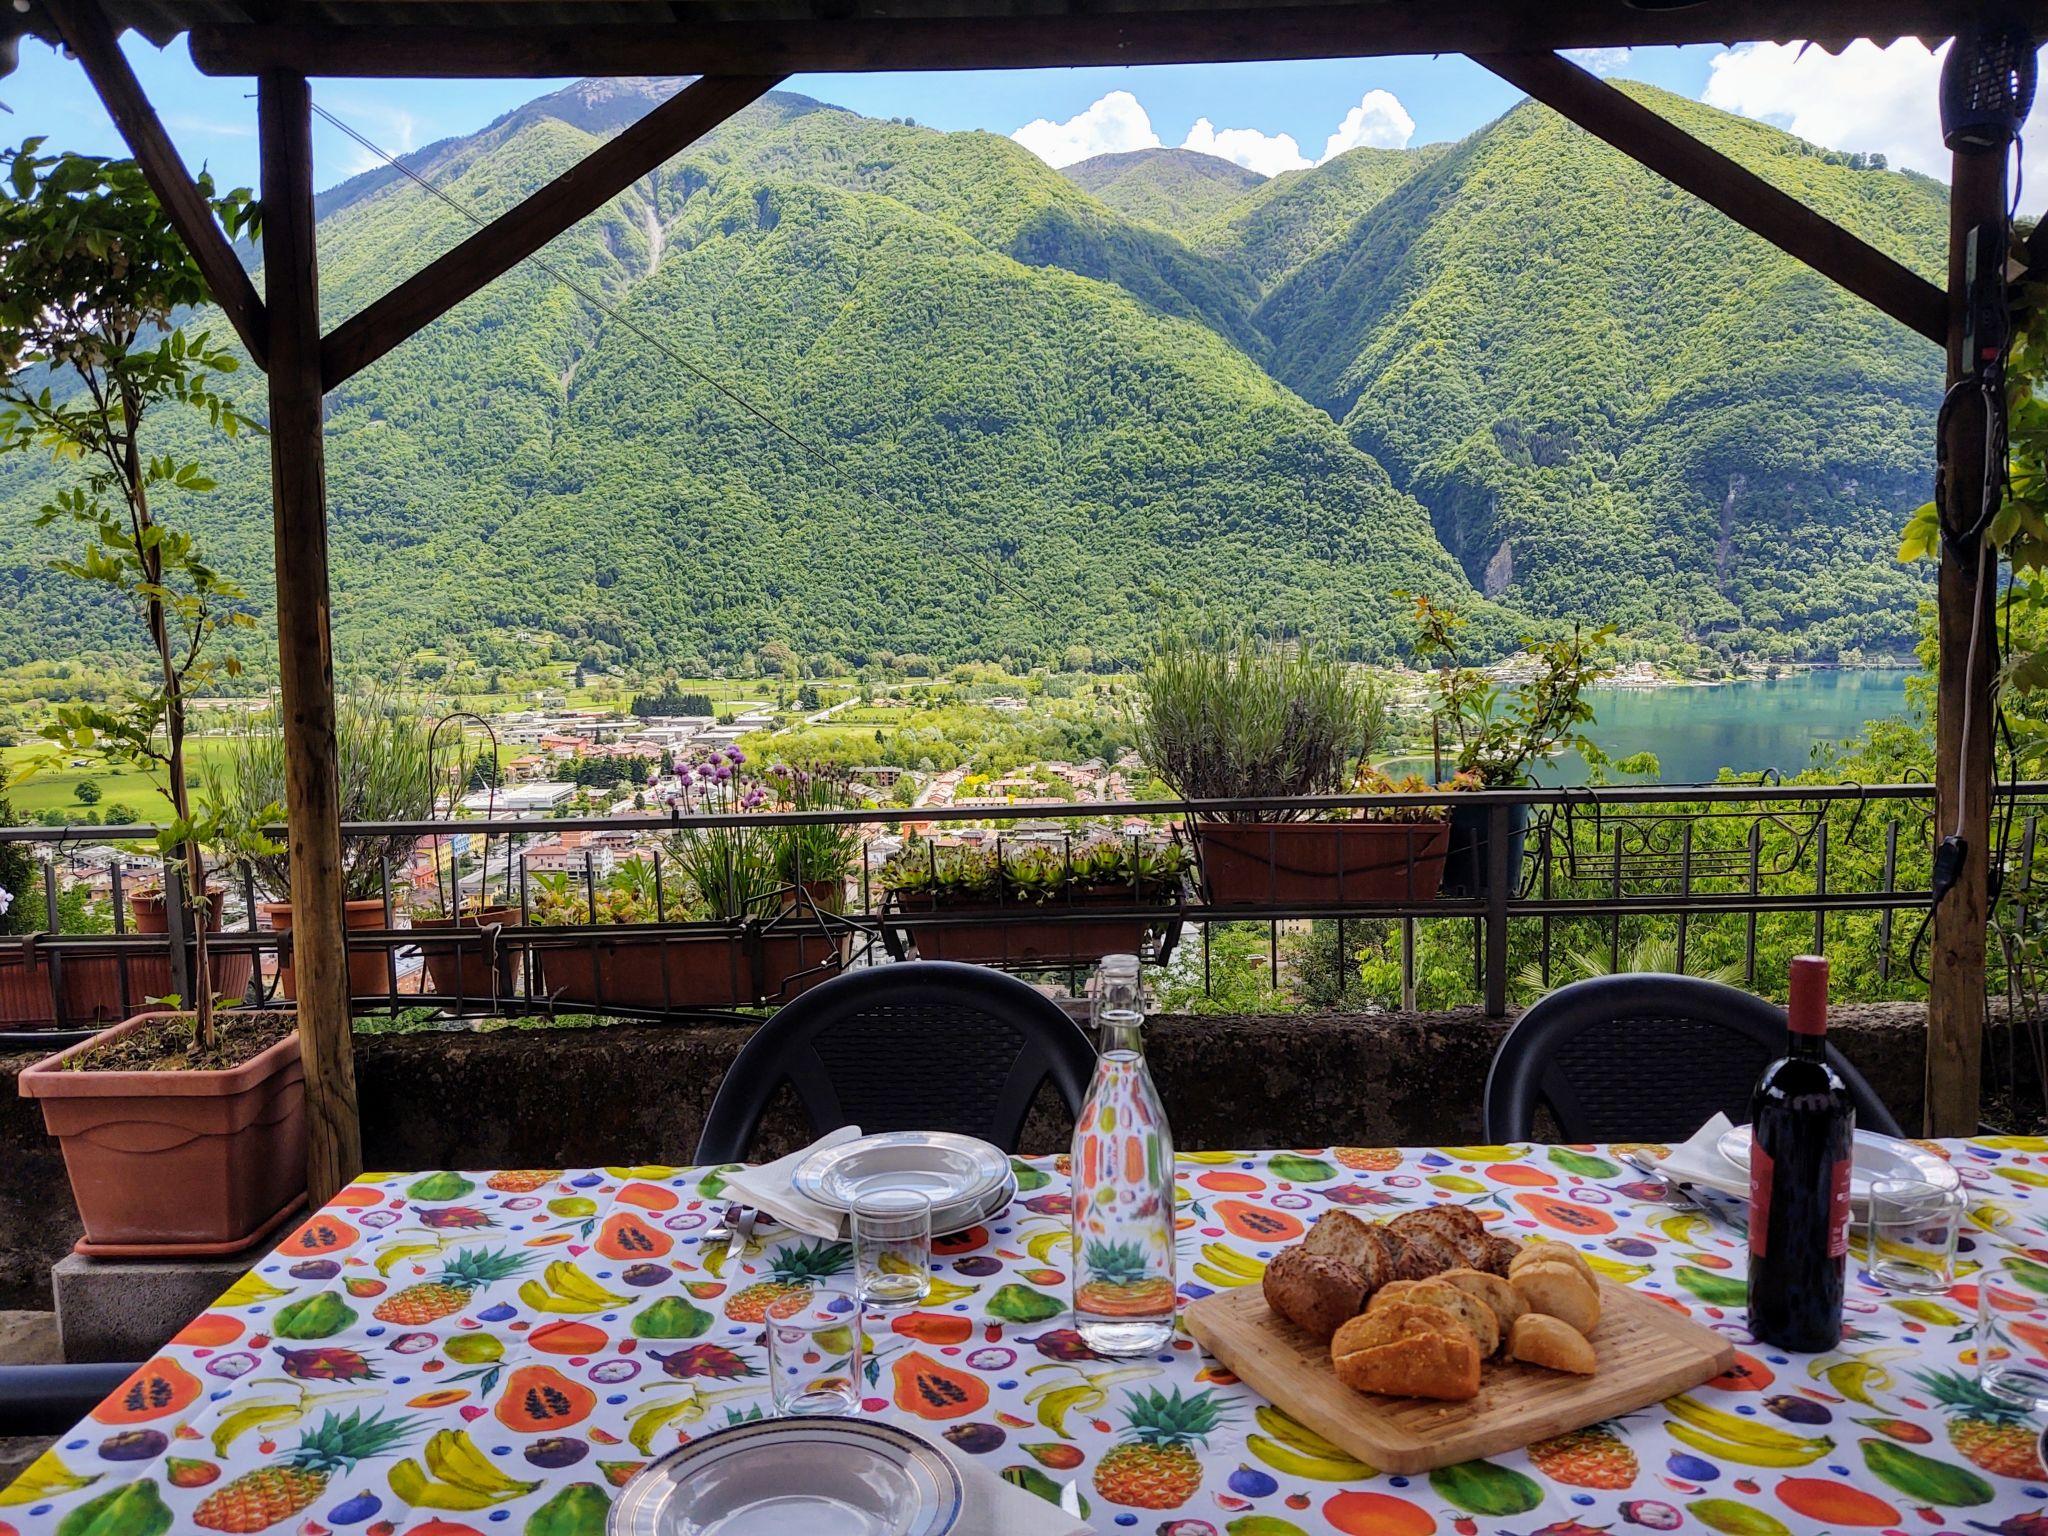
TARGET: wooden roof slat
(88,35)
(398,39)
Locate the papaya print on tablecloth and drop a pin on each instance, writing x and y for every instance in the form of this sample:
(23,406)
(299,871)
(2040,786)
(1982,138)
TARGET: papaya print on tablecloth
(501,1351)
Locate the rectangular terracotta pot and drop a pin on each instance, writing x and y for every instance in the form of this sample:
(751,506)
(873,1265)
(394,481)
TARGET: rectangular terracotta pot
(1322,863)
(369,974)
(1020,933)
(462,969)
(699,970)
(177,1160)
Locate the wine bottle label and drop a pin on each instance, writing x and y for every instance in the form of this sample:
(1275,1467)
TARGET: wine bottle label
(1760,1174)
(1838,1209)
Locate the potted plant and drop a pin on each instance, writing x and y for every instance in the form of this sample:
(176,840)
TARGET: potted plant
(387,774)
(1500,734)
(1039,902)
(179,1133)
(1249,722)
(468,968)
(814,860)
(752,946)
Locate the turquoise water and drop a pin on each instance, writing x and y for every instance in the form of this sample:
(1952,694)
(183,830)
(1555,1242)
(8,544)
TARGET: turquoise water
(1696,732)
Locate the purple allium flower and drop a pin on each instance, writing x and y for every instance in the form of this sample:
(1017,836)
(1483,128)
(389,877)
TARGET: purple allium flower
(722,773)
(734,754)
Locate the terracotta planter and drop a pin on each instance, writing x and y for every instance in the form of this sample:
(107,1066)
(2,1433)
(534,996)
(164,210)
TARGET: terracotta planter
(177,1162)
(463,969)
(1321,863)
(368,975)
(823,895)
(699,970)
(150,975)
(1026,935)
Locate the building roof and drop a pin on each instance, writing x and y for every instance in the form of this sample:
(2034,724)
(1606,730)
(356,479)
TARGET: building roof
(546,38)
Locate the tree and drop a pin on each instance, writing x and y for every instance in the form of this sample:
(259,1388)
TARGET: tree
(17,879)
(94,277)
(485,772)
(88,792)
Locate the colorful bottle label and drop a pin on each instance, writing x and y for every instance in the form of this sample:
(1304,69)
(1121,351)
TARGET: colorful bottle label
(1838,1209)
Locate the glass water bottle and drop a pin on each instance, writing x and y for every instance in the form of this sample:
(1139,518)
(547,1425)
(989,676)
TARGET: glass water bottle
(1122,1183)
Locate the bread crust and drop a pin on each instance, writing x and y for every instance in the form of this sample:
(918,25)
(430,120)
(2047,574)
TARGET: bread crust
(1363,1245)
(1549,1251)
(1312,1290)
(1560,1291)
(1432,1363)
(1497,1254)
(1550,1342)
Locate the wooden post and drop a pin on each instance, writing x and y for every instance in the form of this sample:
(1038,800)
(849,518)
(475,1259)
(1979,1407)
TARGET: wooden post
(1967,598)
(305,653)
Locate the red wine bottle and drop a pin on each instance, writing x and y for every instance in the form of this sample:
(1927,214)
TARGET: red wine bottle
(1802,1150)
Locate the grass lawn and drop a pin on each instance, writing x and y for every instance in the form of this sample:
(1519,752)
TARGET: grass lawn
(56,788)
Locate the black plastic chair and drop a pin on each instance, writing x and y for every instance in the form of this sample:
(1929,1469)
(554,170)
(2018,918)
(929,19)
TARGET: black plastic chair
(1644,1058)
(50,1399)
(926,1046)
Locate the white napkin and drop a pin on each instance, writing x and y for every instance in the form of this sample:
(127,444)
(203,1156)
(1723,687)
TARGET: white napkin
(993,1507)
(1701,1161)
(768,1188)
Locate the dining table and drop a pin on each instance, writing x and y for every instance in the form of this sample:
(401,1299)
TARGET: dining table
(473,1351)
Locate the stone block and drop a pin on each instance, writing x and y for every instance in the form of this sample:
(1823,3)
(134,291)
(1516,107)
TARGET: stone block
(127,1309)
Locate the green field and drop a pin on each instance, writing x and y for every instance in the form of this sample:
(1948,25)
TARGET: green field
(56,788)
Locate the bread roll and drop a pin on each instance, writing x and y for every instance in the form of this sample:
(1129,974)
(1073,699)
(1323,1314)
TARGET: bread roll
(1406,1350)
(1553,1344)
(1559,1291)
(1313,1291)
(1549,1251)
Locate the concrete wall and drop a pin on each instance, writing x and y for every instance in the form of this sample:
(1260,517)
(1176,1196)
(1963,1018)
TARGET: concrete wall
(638,1093)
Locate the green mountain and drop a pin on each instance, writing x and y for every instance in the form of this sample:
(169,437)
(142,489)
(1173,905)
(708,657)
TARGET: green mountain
(1176,189)
(1615,402)
(1014,422)
(860,387)
(1297,214)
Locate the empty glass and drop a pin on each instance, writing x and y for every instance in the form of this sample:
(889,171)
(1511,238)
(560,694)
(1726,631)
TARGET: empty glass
(892,1247)
(1912,1235)
(2011,1318)
(815,1354)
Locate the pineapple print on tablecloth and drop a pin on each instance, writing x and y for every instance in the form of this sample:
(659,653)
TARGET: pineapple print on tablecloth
(792,1273)
(1121,1283)
(1989,1434)
(257,1500)
(450,1291)
(1586,1458)
(522,1181)
(1368,1159)
(1157,1464)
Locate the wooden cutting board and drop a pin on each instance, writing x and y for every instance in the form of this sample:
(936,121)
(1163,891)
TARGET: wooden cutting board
(1647,1352)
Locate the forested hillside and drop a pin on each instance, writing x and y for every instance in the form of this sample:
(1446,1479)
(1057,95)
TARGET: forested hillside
(1023,418)
(1618,404)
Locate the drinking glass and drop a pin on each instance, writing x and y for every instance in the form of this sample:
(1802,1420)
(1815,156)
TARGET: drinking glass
(2010,1312)
(892,1247)
(1912,1235)
(814,1354)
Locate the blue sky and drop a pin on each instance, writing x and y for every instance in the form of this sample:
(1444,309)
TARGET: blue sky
(1865,100)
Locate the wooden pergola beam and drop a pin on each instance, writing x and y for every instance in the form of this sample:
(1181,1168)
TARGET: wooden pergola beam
(1735,190)
(1040,38)
(523,229)
(305,646)
(88,34)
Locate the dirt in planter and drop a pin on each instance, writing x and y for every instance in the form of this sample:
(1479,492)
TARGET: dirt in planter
(166,1046)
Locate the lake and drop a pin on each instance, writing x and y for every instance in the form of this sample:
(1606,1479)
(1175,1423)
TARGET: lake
(1750,726)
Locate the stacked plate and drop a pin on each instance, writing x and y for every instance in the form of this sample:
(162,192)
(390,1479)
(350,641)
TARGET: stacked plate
(967,1181)
(821,1477)
(1876,1158)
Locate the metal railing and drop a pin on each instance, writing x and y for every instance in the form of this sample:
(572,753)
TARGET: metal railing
(1541,879)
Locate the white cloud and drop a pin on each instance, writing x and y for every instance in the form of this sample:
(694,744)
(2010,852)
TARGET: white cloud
(1379,120)
(1869,99)
(1269,155)
(1114,124)
(1601,61)
(1117,123)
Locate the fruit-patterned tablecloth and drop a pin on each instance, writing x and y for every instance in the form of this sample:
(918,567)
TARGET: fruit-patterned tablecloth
(477,1352)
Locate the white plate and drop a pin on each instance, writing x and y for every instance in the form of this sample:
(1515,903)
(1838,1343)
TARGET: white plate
(1877,1157)
(817,1476)
(950,1170)
(958,1218)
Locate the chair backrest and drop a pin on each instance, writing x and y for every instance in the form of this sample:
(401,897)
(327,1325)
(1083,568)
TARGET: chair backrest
(925,1046)
(1644,1058)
